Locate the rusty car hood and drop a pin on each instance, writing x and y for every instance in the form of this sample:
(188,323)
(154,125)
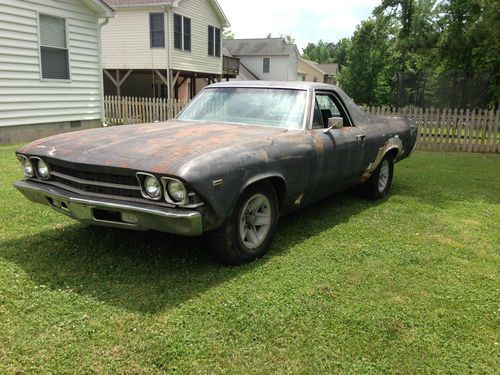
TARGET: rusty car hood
(159,147)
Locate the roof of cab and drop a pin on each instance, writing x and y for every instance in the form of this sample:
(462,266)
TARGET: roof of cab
(278,84)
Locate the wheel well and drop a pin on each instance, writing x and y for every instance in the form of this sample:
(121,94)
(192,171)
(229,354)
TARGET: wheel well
(278,184)
(394,152)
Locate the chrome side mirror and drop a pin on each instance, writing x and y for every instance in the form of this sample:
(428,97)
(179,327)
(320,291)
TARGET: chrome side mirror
(334,123)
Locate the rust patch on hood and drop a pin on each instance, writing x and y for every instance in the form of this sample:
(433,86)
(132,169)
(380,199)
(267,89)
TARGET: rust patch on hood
(159,147)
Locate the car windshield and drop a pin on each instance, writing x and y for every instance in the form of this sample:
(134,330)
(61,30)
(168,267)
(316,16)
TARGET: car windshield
(280,108)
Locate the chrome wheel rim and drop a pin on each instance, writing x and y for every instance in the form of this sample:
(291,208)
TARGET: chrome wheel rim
(383,176)
(255,221)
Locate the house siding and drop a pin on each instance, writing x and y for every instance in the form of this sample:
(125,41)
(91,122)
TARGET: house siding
(278,67)
(126,43)
(310,72)
(202,15)
(24,97)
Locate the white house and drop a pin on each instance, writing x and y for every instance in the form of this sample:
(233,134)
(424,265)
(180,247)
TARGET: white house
(50,72)
(268,59)
(153,45)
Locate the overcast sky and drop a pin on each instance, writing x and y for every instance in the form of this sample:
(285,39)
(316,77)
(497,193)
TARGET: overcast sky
(306,20)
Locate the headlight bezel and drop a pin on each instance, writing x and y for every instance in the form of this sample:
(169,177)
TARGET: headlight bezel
(35,161)
(169,196)
(142,176)
(25,159)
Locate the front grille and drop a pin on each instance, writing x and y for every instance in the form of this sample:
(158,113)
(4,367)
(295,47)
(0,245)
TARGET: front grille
(86,181)
(96,177)
(98,189)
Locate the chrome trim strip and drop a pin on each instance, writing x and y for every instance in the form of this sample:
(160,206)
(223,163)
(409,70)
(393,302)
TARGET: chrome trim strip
(95,183)
(149,217)
(98,195)
(116,197)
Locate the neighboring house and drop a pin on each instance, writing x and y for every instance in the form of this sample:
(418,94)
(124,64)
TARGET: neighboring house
(332,72)
(163,48)
(271,59)
(311,71)
(50,72)
(243,73)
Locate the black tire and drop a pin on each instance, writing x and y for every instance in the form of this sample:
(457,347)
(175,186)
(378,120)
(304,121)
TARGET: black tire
(227,243)
(374,188)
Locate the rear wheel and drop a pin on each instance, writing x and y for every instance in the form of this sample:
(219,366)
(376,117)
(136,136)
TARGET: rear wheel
(379,183)
(247,234)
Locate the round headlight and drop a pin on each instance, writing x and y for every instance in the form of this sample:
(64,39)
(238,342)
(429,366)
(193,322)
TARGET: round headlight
(27,167)
(42,169)
(152,187)
(176,190)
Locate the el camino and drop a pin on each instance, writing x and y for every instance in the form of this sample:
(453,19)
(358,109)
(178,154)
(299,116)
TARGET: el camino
(237,158)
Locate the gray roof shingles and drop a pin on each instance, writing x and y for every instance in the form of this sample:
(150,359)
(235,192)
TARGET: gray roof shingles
(265,46)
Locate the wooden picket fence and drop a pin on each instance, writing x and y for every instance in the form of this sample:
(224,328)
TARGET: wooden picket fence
(130,110)
(450,130)
(438,129)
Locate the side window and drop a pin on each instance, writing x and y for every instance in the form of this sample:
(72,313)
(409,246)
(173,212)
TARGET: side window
(317,121)
(328,107)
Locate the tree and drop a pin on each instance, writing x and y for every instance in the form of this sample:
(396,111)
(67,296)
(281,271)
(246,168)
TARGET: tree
(227,34)
(371,62)
(289,39)
(320,52)
(339,51)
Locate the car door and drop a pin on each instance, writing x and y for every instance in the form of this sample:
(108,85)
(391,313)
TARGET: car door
(338,152)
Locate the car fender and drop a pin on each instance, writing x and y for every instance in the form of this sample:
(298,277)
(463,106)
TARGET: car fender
(393,143)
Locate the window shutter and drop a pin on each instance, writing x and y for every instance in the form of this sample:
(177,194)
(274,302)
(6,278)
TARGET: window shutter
(217,42)
(187,34)
(210,40)
(177,31)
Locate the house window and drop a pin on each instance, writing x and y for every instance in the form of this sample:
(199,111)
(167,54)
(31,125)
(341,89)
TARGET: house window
(315,79)
(54,54)
(157,30)
(266,65)
(214,41)
(182,32)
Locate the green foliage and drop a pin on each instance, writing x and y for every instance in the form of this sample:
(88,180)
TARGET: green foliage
(408,285)
(424,52)
(227,34)
(370,62)
(288,38)
(321,52)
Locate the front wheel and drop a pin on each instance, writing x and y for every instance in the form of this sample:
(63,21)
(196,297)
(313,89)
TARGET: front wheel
(247,234)
(379,183)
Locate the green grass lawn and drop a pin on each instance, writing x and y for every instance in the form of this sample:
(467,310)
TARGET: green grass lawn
(405,285)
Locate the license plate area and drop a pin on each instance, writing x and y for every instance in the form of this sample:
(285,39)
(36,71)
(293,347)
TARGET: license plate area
(105,215)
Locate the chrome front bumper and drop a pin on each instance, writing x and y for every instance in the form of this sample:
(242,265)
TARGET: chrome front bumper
(113,213)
